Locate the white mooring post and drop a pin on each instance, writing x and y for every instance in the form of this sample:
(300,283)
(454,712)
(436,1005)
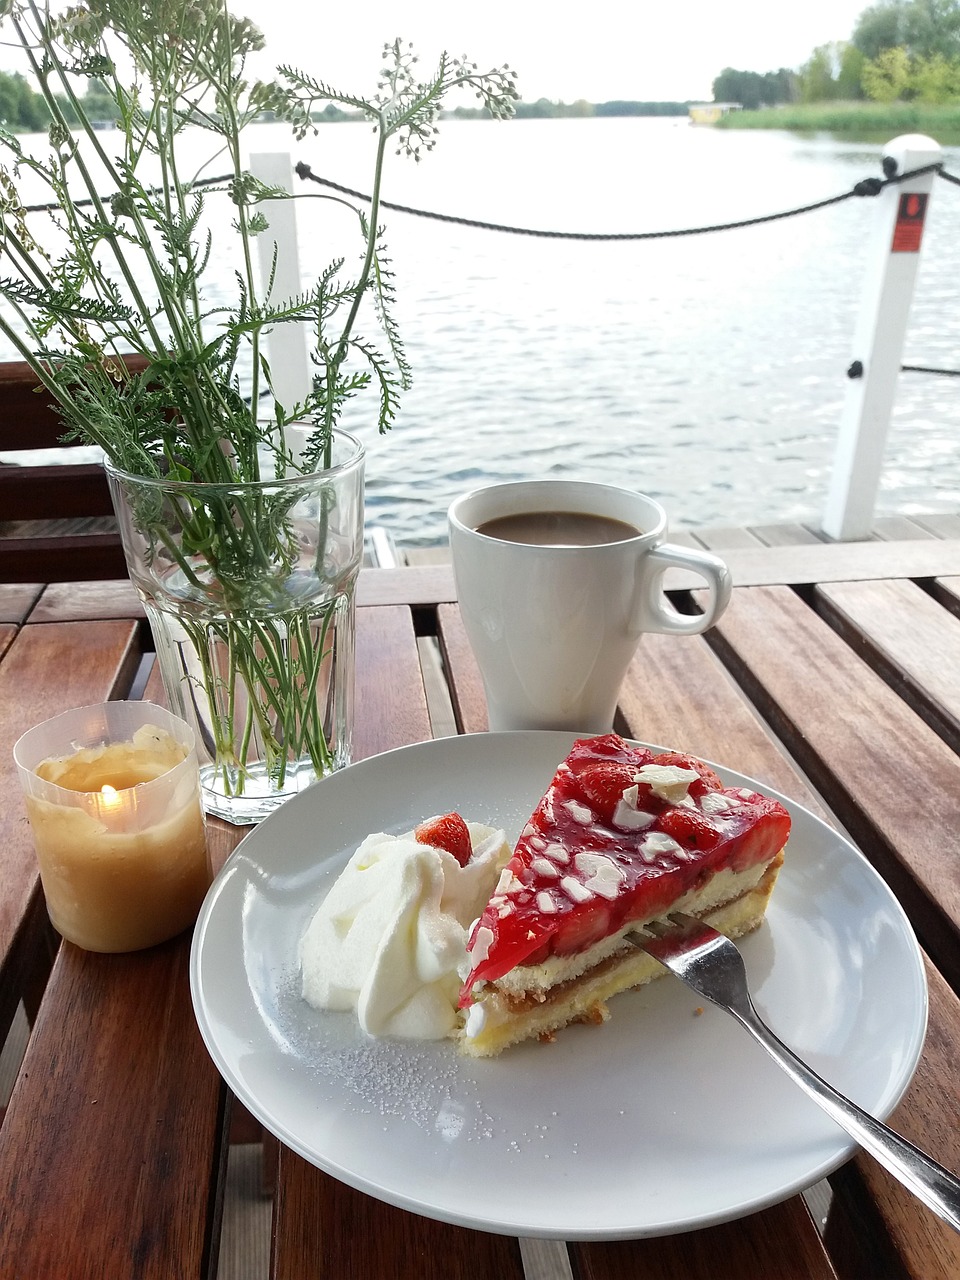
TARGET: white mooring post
(879,337)
(286,343)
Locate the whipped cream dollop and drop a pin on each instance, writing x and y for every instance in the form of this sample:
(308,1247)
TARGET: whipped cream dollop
(389,940)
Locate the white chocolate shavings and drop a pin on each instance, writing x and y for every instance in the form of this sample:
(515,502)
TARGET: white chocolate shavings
(529,830)
(658,842)
(544,867)
(557,852)
(717,802)
(481,945)
(746,794)
(537,842)
(508,882)
(628,817)
(578,812)
(668,781)
(576,891)
(600,874)
(545,903)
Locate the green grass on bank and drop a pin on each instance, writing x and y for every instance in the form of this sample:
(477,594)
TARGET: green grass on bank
(855,119)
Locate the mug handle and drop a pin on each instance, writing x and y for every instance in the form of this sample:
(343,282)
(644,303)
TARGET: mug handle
(659,613)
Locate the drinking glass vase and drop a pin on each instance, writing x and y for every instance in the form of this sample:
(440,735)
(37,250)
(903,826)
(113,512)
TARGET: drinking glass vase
(250,593)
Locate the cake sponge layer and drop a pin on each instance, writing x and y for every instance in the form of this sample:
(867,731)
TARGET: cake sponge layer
(504,1016)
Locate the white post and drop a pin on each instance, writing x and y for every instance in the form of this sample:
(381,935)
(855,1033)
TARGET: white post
(286,343)
(878,339)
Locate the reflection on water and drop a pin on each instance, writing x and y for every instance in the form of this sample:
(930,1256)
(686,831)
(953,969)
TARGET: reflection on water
(707,370)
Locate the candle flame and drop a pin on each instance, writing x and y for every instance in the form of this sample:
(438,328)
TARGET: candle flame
(111,797)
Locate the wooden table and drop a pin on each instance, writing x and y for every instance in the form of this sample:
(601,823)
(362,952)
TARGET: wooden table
(843,693)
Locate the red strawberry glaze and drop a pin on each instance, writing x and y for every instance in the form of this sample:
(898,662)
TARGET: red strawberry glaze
(580,871)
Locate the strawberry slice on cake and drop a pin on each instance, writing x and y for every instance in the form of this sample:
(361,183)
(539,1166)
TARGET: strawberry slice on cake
(623,835)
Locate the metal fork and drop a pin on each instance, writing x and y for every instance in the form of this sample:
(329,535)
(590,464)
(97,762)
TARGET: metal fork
(712,966)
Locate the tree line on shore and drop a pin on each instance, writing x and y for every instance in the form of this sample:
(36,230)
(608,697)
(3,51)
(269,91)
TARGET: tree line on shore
(899,51)
(23,110)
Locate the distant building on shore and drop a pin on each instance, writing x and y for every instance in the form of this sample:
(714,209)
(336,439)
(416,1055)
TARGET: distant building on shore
(711,112)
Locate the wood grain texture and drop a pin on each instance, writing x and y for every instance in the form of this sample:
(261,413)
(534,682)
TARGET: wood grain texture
(71,557)
(466,686)
(391,703)
(947,592)
(115,598)
(891,781)
(896,787)
(899,529)
(780,1243)
(62,489)
(677,694)
(910,639)
(749,566)
(915,1240)
(414,585)
(17,599)
(110,1165)
(832,562)
(325,1229)
(30,419)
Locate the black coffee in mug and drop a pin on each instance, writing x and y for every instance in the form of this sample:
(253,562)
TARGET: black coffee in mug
(558,529)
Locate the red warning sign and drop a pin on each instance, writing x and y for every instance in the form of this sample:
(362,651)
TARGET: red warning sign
(908,230)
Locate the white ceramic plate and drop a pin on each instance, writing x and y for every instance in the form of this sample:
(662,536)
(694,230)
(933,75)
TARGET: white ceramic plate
(663,1120)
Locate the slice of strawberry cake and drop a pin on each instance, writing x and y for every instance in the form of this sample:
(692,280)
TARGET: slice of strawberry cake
(623,835)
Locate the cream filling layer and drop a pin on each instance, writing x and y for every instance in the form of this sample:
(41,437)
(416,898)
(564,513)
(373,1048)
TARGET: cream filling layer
(498,1020)
(537,979)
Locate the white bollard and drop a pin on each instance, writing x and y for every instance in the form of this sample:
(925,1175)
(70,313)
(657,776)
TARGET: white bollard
(286,343)
(879,338)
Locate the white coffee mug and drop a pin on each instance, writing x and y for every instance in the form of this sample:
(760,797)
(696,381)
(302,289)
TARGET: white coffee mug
(554,627)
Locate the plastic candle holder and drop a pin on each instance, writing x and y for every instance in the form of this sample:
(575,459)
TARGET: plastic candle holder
(113,797)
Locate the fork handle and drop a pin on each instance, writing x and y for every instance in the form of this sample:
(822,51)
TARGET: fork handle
(930,1182)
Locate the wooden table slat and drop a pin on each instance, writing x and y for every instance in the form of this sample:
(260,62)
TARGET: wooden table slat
(678,695)
(115,1037)
(469,702)
(322,1229)
(929,1116)
(882,621)
(779,1242)
(891,781)
(113,1044)
(391,702)
(947,592)
(17,599)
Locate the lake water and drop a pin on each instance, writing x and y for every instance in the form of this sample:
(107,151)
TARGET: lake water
(708,370)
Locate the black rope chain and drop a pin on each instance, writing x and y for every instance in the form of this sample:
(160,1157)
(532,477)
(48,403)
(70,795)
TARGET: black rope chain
(866,187)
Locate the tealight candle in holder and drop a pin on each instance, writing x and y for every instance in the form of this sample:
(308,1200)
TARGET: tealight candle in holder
(113,797)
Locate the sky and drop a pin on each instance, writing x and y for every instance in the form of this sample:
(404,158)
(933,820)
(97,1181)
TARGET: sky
(644,50)
(598,50)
